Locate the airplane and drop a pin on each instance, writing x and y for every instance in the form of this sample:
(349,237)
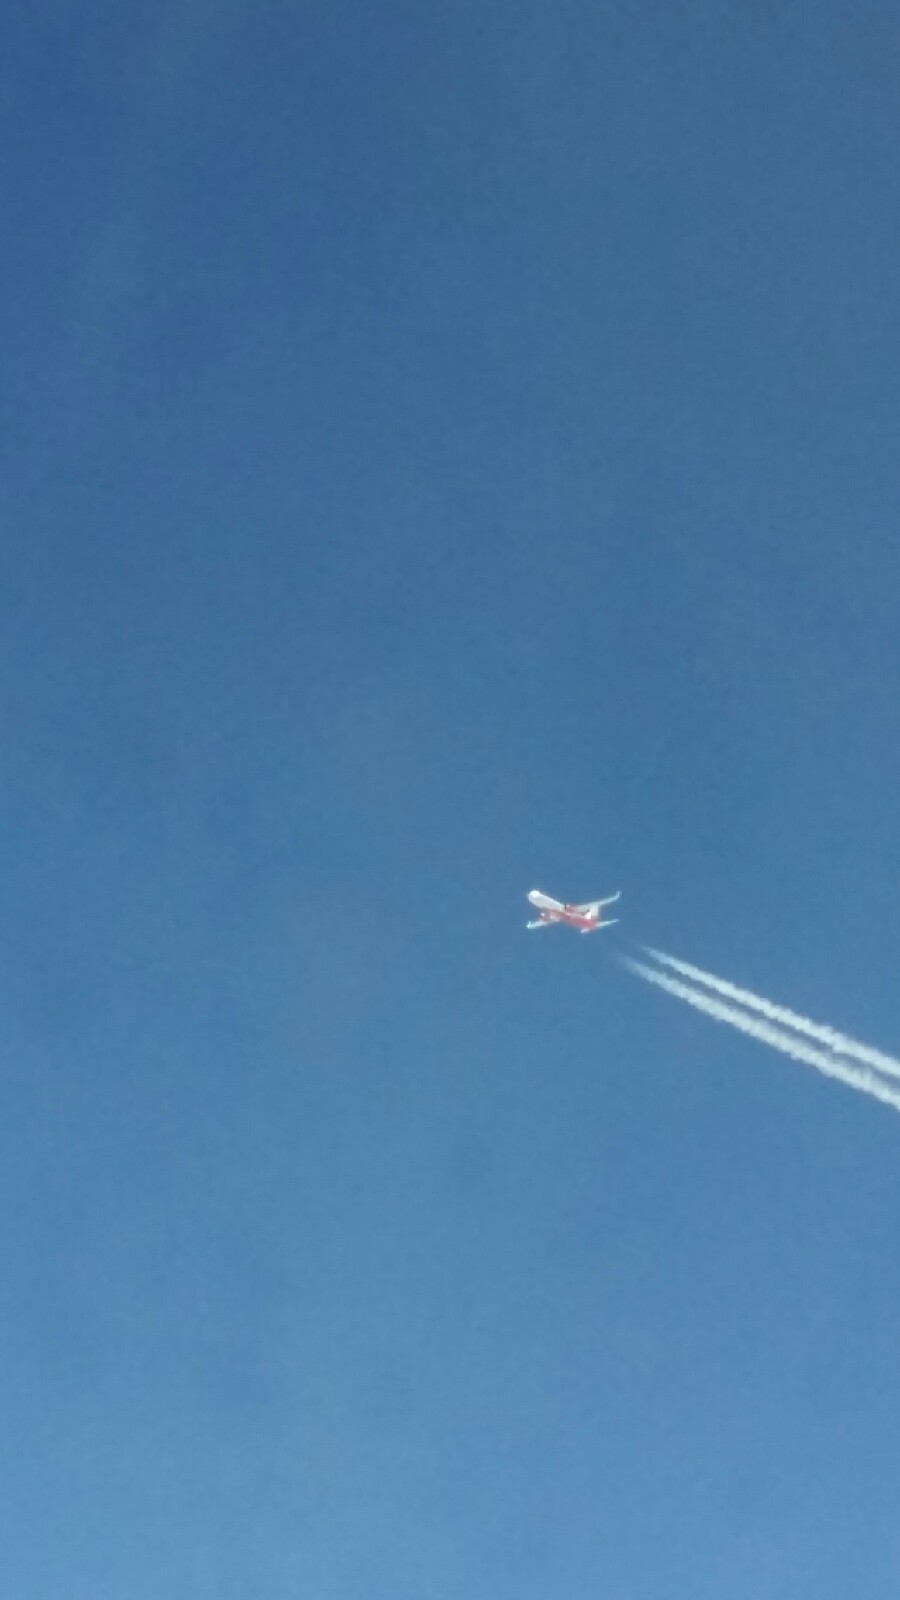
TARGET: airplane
(587,918)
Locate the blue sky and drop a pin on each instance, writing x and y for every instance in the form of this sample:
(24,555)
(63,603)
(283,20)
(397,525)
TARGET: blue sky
(445,453)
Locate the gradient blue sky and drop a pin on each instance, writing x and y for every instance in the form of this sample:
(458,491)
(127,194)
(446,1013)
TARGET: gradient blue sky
(443,452)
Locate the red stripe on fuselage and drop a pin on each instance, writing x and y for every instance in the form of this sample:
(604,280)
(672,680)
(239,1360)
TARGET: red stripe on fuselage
(573,918)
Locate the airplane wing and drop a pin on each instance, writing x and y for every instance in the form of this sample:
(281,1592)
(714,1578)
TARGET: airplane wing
(544,902)
(591,907)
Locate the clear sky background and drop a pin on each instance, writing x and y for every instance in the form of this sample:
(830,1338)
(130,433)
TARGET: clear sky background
(446,451)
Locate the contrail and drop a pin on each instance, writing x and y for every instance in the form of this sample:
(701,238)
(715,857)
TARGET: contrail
(857,1077)
(841,1043)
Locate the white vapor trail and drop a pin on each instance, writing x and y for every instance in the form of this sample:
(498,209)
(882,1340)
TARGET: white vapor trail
(857,1077)
(841,1043)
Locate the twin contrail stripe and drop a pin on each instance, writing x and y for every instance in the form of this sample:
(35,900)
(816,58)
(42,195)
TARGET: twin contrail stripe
(856,1077)
(841,1043)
